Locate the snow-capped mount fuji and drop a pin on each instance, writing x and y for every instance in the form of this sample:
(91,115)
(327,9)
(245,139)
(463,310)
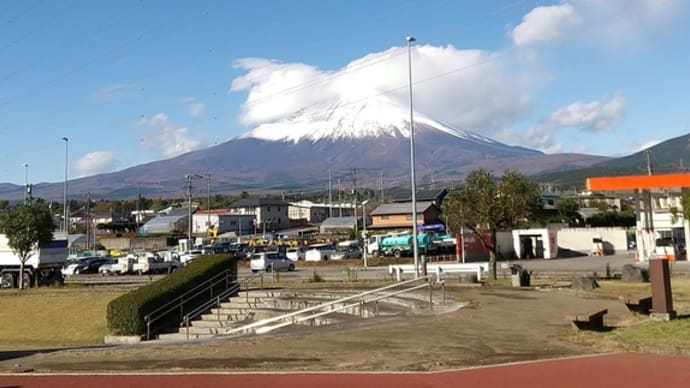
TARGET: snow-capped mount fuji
(343,120)
(296,154)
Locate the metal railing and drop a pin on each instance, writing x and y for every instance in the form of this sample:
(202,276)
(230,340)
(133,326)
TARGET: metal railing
(297,316)
(218,299)
(226,276)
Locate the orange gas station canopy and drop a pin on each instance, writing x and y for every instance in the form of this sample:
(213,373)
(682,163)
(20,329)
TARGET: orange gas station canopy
(632,182)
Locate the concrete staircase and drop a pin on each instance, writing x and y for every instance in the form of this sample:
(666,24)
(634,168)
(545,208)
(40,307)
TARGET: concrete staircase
(254,305)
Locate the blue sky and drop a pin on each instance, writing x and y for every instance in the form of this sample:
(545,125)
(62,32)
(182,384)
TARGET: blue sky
(133,81)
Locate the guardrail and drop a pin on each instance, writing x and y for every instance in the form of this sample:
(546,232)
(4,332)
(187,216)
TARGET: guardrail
(439,269)
(226,276)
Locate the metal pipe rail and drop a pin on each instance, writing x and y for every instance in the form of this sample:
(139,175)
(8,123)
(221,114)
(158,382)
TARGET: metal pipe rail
(178,302)
(215,301)
(361,303)
(266,321)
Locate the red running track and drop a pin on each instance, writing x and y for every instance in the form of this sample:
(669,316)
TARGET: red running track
(625,369)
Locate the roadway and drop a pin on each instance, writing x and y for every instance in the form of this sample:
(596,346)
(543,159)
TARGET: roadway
(585,265)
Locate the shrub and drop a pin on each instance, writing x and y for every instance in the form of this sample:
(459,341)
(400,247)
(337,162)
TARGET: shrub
(125,314)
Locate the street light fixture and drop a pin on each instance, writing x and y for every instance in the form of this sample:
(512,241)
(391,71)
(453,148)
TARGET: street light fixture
(415,248)
(66,205)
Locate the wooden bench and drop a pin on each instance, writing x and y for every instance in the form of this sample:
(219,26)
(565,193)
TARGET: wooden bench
(641,305)
(590,321)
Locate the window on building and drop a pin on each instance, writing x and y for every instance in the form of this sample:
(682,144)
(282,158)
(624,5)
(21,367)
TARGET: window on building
(385,217)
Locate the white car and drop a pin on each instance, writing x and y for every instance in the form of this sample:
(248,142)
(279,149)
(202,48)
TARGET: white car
(318,252)
(270,261)
(186,257)
(296,253)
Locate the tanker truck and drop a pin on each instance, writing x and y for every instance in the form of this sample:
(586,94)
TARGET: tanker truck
(399,245)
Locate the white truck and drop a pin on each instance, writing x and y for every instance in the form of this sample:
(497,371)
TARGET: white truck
(152,263)
(42,266)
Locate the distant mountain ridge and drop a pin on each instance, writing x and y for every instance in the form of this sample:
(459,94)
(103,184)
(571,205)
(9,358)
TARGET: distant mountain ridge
(669,156)
(297,153)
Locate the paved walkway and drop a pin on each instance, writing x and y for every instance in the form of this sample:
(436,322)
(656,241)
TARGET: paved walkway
(613,370)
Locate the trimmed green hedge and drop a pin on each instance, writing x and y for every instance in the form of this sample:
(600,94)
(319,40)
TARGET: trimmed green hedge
(125,314)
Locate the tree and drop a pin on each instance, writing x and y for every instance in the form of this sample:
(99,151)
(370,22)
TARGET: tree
(27,227)
(485,204)
(568,209)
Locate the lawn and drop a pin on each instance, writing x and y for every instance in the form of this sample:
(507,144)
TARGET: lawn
(41,318)
(640,332)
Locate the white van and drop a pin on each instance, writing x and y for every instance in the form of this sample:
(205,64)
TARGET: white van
(318,252)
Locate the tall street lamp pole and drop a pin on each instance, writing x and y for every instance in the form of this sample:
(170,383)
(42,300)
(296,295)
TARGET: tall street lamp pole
(26,183)
(66,205)
(415,247)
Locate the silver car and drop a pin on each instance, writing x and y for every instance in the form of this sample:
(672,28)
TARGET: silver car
(271,261)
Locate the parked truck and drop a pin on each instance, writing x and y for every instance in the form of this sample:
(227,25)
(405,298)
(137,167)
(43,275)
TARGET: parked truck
(42,266)
(399,245)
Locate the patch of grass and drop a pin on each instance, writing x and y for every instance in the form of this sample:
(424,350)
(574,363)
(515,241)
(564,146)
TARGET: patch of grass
(42,318)
(642,333)
(315,278)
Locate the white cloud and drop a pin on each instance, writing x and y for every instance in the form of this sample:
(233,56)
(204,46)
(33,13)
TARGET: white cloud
(595,116)
(97,162)
(648,144)
(468,89)
(114,92)
(621,24)
(545,24)
(196,109)
(539,138)
(166,138)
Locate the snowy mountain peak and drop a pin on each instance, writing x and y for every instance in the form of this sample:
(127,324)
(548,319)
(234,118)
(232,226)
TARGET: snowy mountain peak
(373,117)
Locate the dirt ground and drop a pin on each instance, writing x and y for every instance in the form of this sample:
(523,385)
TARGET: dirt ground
(496,325)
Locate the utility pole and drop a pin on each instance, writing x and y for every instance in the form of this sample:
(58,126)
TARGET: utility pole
(330,197)
(340,199)
(137,217)
(88,219)
(648,153)
(208,203)
(354,196)
(381,186)
(189,211)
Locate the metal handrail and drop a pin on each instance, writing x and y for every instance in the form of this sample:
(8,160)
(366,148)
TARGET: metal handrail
(266,329)
(180,300)
(266,321)
(214,301)
(249,279)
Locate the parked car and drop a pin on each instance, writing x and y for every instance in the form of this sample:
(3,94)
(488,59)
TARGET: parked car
(188,256)
(296,253)
(270,261)
(318,252)
(83,265)
(347,250)
(119,266)
(107,267)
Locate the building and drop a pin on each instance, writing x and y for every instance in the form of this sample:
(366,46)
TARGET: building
(399,215)
(435,196)
(310,212)
(269,214)
(219,219)
(174,221)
